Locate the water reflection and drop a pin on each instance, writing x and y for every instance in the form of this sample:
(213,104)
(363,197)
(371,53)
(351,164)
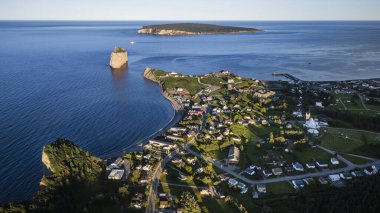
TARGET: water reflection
(118,75)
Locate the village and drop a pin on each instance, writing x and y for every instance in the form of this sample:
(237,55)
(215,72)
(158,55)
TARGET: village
(241,137)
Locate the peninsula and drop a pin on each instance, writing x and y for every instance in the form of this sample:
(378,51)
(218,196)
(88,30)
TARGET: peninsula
(241,145)
(193,29)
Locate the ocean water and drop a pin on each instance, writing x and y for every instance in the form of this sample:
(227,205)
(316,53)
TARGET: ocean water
(55,82)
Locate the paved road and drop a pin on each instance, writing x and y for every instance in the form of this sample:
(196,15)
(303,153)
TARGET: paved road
(157,173)
(156,182)
(351,166)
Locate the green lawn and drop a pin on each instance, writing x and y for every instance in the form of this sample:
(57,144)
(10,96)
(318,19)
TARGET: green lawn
(216,205)
(280,187)
(351,141)
(191,84)
(213,81)
(356,160)
(250,155)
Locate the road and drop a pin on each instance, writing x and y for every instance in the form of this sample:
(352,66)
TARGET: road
(157,173)
(349,167)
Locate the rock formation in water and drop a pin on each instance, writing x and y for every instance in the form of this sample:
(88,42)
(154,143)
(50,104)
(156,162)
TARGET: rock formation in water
(119,58)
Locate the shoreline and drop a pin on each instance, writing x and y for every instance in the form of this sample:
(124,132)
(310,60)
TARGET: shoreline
(177,116)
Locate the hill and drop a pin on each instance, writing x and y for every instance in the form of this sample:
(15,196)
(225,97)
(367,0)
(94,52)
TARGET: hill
(193,29)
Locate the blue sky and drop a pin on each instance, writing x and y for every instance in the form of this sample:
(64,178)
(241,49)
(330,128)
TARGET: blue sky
(190,10)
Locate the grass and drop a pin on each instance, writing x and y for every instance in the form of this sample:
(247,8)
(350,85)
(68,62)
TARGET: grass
(356,160)
(351,141)
(213,81)
(217,205)
(283,187)
(191,84)
(250,155)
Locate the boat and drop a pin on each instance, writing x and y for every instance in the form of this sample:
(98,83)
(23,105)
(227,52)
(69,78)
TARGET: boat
(132,42)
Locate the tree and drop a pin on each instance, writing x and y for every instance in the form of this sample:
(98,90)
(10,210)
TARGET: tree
(189,203)
(271,137)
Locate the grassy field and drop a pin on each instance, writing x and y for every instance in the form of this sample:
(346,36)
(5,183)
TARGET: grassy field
(250,155)
(280,187)
(352,141)
(356,160)
(213,81)
(191,84)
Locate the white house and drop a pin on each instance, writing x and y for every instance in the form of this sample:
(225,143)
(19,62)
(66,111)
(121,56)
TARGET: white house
(232,182)
(334,178)
(334,161)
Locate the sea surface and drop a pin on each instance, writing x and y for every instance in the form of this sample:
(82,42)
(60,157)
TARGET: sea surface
(55,81)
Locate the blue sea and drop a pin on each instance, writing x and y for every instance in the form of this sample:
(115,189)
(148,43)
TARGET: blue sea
(55,81)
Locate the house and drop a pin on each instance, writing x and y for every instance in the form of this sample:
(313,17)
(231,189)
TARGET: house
(233,155)
(277,171)
(334,178)
(255,195)
(297,184)
(244,190)
(232,182)
(357,173)
(164,203)
(298,167)
(116,174)
(267,173)
(147,167)
(241,185)
(289,169)
(310,165)
(321,164)
(159,145)
(369,171)
(334,161)
(249,171)
(319,104)
(191,161)
(376,167)
(262,188)
(322,180)
(346,176)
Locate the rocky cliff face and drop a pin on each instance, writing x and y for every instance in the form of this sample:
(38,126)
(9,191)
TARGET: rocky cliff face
(118,60)
(164,32)
(46,160)
(148,74)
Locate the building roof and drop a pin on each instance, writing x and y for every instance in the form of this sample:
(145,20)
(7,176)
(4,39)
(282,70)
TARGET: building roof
(233,154)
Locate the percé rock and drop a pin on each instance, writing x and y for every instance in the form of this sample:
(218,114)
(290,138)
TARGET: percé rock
(119,58)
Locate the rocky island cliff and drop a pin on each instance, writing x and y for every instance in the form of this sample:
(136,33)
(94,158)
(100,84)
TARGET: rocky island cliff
(119,58)
(193,29)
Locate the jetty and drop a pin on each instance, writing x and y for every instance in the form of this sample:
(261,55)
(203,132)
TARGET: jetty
(287,75)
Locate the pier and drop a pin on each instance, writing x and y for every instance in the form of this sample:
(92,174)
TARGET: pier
(288,76)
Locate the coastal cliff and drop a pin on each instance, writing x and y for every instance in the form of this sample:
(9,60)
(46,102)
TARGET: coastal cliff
(46,160)
(119,58)
(193,29)
(149,74)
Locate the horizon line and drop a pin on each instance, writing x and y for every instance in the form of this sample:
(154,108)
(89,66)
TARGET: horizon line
(189,20)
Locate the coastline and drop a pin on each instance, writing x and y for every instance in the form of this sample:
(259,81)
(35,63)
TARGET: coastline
(177,116)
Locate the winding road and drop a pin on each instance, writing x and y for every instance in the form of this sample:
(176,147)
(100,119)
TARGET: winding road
(350,166)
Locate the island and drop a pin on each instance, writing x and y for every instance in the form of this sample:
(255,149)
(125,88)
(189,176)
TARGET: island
(241,145)
(119,58)
(193,29)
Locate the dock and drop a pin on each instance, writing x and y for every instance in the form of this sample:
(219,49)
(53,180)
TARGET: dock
(288,76)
